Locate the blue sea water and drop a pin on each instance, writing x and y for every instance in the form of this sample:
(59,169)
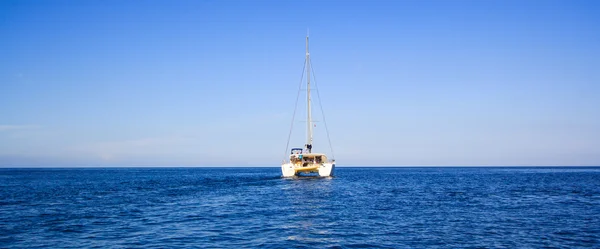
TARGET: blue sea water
(255,207)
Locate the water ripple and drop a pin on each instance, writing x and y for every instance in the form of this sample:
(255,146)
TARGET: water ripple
(255,207)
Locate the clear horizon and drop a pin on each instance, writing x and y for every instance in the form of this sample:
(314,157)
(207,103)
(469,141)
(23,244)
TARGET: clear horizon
(213,83)
(278,167)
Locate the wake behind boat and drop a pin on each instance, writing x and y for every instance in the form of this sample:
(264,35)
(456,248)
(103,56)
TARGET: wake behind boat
(303,160)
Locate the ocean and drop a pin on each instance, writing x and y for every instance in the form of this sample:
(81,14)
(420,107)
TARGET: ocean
(438,207)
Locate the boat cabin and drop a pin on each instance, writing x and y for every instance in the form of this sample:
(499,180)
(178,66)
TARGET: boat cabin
(304,159)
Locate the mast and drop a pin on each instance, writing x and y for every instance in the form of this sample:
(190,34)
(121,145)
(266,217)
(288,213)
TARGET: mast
(309,129)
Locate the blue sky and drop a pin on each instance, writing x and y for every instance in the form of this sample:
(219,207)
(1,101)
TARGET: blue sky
(213,83)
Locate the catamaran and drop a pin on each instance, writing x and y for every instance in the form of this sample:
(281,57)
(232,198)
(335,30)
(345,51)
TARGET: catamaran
(304,160)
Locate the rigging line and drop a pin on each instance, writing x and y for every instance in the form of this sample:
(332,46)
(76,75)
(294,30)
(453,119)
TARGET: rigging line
(322,112)
(295,108)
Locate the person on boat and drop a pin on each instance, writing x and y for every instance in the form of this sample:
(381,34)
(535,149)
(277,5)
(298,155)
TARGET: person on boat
(308,148)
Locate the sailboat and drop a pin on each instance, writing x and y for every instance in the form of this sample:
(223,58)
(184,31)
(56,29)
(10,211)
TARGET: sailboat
(303,160)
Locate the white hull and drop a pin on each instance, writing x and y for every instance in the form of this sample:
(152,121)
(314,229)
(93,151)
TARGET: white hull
(287,169)
(326,169)
(290,170)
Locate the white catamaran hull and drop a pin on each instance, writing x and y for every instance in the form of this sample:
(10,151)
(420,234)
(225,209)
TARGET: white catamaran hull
(324,169)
